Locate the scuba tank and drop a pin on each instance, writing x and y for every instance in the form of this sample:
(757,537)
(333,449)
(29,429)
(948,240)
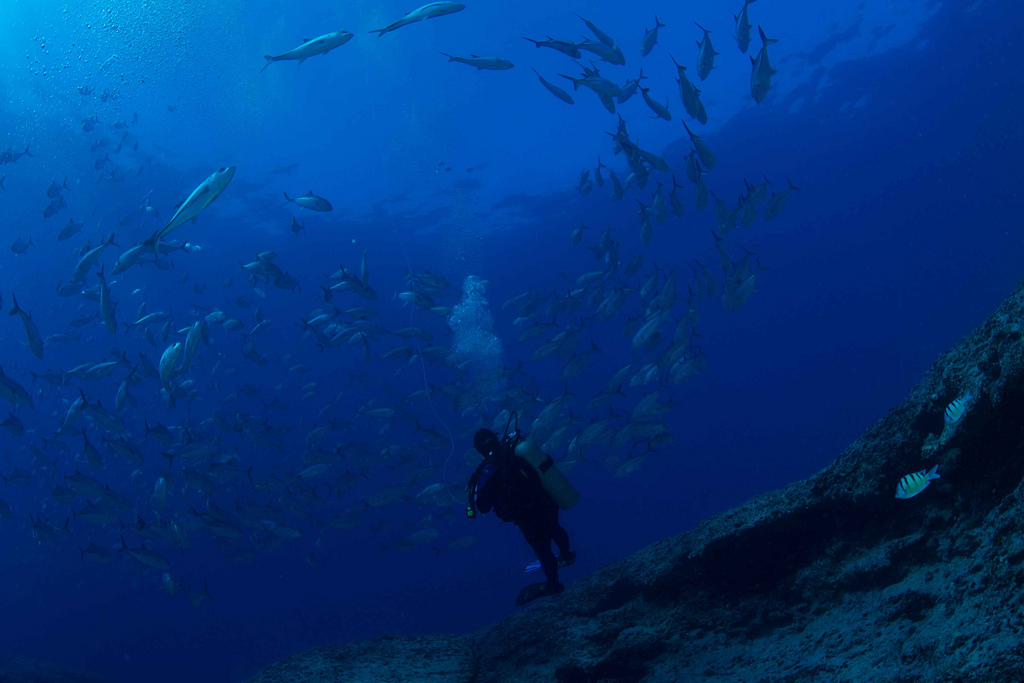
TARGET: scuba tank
(551,478)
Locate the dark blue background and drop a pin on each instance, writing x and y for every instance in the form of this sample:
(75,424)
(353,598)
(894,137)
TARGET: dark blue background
(904,236)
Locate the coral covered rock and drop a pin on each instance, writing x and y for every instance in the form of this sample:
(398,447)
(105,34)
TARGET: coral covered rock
(832,578)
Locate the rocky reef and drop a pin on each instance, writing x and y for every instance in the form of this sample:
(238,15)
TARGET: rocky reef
(830,579)
(21,670)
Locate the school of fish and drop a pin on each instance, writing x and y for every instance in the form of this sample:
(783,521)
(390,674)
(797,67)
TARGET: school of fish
(114,482)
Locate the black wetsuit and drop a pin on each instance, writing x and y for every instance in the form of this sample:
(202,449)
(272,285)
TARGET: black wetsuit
(511,487)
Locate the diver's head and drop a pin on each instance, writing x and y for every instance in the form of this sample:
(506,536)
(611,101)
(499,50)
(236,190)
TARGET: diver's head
(486,442)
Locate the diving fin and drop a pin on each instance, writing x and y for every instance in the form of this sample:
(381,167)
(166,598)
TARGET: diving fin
(562,562)
(537,590)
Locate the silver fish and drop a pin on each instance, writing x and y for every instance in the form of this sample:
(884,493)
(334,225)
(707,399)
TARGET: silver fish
(660,110)
(309,201)
(703,151)
(601,35)
(35,340)
(20,246)
(55,188)
(650,38)
(705,54)
(434,9)
(554,89)
(199,199)
(311,47)
(482,63)
(70,230)
(690,95)
(167,362)
(609,53)
(564,46)
(89,259)
(761,69)
(602,86)
(778,201)
(12,391)
(106,305)
(743,27)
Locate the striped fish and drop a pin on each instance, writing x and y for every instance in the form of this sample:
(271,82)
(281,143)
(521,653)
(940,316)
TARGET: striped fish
(956,409)
(913,484)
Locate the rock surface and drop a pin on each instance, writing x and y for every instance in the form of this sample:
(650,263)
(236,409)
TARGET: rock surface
(17,670)
(396,659)
(830,579)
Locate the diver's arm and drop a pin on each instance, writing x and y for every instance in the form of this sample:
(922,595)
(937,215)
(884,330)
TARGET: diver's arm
(485,497)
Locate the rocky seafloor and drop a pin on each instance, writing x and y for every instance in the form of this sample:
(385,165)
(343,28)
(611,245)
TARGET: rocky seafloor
(21,670)
(830,579)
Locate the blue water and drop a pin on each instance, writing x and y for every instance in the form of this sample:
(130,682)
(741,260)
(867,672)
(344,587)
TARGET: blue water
(898,121)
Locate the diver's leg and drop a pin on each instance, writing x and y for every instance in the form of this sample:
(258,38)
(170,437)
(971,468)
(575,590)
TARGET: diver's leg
(539,539)
(561,538)
(559,535)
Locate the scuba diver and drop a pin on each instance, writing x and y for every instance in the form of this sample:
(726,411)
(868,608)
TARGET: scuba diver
(521,485)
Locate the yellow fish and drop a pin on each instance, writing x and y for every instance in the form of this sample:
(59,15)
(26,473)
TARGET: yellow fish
(956,409)
(913,484)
